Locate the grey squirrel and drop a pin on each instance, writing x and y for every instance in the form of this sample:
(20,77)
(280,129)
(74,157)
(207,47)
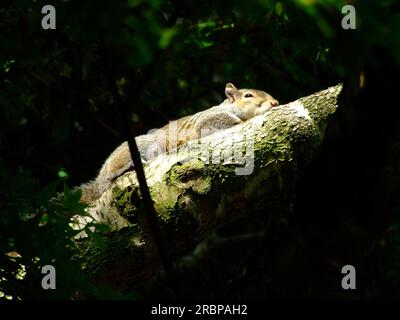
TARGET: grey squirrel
(240,105)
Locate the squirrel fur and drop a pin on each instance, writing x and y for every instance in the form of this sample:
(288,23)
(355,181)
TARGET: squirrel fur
(240,105)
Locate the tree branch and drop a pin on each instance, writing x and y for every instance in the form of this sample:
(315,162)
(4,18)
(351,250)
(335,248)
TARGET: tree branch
(203,186)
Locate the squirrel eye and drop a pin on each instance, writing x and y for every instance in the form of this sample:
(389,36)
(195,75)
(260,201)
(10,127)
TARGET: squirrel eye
(248,95)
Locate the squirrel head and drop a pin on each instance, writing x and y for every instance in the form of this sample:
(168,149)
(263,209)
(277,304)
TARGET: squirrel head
(250,102)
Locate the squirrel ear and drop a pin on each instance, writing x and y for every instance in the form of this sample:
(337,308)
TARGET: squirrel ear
(230,91)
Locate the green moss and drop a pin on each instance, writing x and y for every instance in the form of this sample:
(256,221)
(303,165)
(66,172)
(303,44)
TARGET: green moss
(126,202)
(165,199)
(191,174)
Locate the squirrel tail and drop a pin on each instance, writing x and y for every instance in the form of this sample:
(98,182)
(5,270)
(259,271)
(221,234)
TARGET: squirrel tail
(90,191)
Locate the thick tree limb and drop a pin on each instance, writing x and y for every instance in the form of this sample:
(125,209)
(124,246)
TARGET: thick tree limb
(202,186)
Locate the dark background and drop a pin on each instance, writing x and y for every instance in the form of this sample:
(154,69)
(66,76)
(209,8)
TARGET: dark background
(60,120)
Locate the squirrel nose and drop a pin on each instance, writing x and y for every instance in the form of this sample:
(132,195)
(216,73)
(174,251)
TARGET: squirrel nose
(274,103)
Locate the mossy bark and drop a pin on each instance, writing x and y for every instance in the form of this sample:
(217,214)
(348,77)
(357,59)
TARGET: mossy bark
(202,186)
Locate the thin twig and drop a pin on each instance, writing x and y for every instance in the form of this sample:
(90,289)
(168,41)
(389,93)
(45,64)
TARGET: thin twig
(128,131)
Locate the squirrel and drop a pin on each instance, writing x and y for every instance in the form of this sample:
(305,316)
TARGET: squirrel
(240,105)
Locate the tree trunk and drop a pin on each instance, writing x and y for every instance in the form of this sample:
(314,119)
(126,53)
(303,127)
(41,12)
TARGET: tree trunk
(205,184)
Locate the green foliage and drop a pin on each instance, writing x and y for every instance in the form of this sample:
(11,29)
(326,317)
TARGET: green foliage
(36,231)
(33,234)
